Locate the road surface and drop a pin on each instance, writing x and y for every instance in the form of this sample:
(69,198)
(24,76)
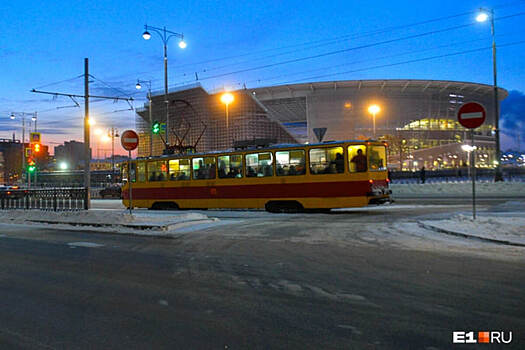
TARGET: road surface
(363,279)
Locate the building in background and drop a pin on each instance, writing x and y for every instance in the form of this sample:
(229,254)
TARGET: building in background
(70,155)
(198,119)
(417,118)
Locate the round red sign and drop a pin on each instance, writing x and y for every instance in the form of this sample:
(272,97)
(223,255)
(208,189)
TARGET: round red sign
(471,115)
(129,140)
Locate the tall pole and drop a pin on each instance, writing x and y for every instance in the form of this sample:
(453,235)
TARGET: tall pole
(112,154)
(374,122)
(498,176)
(166,89)
(35,120)
(150,122)
(87,153)
(23,146)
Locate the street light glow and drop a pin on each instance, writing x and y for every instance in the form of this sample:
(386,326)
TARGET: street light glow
(12,116)
(98,131)
(138,86)
(227,98)
(182,44)
(373,109)
(106,138)
(92,121)
(146,35)
(482,17)
(63,165)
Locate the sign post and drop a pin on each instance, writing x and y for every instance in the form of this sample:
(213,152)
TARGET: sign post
(129,141)
(472,115)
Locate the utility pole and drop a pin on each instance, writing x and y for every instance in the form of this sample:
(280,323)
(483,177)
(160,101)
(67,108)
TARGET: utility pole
(87,153)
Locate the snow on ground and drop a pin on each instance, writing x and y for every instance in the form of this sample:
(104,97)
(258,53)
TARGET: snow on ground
(116,221)
(459,189)
(505,228)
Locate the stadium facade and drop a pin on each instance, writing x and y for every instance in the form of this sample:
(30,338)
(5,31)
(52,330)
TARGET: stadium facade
(417,118)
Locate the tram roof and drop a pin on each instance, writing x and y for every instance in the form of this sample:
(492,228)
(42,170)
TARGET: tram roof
(270,147)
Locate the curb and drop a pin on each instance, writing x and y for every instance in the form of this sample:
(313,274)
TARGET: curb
(129,226)
(464,235)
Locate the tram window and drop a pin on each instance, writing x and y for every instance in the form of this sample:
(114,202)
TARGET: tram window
(327,160)
(203,168)
(289,163)
(357,161)
(141,171)
(377,158)
(259,164)
(157,170)
(179,169)
(230,166)
(133,171)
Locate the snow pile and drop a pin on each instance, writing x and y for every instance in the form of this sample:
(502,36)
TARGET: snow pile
(111,221)
(98,217)
(506,229)
(487,189)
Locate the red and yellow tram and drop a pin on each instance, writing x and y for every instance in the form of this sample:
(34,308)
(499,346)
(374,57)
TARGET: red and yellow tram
(278,178)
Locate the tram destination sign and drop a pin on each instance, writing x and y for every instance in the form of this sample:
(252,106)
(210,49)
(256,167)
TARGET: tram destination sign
(129,140)
(471,115)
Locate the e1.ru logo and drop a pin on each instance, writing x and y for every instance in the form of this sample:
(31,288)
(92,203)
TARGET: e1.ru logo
(483,337)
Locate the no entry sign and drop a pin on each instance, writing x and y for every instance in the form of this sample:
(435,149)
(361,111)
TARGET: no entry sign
(129,140)
(471,115)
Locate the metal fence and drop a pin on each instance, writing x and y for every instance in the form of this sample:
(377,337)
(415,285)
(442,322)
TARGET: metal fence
(56,199)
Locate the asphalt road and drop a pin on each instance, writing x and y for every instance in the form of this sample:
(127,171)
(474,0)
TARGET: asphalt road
(362,279)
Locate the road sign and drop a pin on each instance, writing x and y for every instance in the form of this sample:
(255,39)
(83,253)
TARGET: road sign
(34,137)
(471,115)
(319,133)
(129,140)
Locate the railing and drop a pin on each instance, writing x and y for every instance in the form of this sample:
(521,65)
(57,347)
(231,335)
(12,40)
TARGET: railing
(56,199)
(455,175)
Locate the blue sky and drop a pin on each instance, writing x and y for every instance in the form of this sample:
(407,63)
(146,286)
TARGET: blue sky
(44,42)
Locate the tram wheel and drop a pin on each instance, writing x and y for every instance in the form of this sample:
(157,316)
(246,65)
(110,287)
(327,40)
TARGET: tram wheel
(164,206)
(284,207)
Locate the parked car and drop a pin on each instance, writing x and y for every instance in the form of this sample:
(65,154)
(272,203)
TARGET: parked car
(111,192)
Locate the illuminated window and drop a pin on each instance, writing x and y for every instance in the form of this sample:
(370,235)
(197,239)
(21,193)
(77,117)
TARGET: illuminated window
(141,171)
(289,163)
(203,168)
(230,166)
(179,169)
(157,171)
(259,164)
(327,160)
(377,158)
(357,161)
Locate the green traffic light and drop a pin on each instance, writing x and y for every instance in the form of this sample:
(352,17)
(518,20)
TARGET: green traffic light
(31,168)
(155,128)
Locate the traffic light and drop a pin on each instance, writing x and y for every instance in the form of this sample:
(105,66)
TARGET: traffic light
(31,166)
(36,148)
(155,128)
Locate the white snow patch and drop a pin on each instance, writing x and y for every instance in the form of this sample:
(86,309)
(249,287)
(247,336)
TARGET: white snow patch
(458,189)
(503,228)
(85,244)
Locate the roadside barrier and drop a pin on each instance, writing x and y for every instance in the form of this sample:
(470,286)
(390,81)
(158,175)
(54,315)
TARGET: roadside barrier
(56,199)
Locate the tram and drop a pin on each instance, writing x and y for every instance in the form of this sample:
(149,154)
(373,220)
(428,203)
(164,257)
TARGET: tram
(280,178)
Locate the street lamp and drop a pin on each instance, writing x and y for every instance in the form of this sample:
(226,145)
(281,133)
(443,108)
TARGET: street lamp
(227,98)
(483,15)
(33,115)
(138,86)
(374,109)
(165,36)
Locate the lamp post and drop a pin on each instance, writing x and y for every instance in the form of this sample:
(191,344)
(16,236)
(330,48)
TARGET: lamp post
(227,98)
(374,109)
(138,87)
(483,15)
(113,133)
(165,36)
(33,118)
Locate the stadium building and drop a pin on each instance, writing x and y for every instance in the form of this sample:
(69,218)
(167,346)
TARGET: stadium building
(417,118)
